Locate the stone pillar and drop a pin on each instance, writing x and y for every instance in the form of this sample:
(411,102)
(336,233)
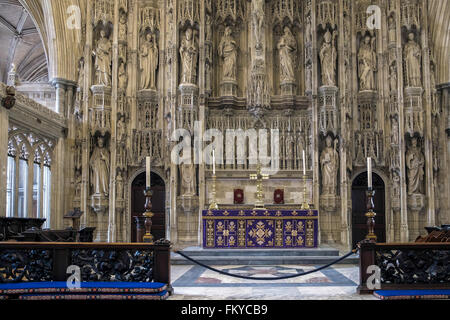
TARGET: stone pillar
(445,156)
(60,87)
(4,124)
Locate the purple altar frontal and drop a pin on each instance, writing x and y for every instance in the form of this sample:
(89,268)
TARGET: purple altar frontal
(265,229)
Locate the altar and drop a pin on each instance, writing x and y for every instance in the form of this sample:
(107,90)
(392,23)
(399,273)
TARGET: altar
(253,229)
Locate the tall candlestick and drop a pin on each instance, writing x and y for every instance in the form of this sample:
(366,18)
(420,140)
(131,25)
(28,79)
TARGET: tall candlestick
(147,171)
(214,162)
(369,172)
(304,163)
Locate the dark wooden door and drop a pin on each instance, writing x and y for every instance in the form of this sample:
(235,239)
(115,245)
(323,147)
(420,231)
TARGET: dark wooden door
(359,202)
(158,205)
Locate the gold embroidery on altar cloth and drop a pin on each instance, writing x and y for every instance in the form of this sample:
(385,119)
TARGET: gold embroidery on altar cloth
(261,233)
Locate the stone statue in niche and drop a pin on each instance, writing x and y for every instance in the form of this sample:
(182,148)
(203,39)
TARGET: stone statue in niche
(413,60)
(123,26)
(290,143)
(120,129)
(395,185)
(100,164)
(308,33)
(287,48)
(415,163)
(328,56)
(103,60)
(122,76)
(149,58)
(189,57)
(228,52)
(119,186)
(258,21)
(392,30)
(329,161)
(208,28)
(367,63)
(395,131)
(393,77)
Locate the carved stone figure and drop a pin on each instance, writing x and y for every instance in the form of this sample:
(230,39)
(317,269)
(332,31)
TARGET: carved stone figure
(103,56)
(392,30)
(308,33)
(413,60)
(287,47)
(228,51)
(258,21)
(120,129)
(393,77)
(329,161)
(189,57)
(208,28)
(149,58)
(99,167)
(80,81)
(123,26)
(394,131)
(122,76)
(367,62)
(328,57)
(119,186)
(415,163)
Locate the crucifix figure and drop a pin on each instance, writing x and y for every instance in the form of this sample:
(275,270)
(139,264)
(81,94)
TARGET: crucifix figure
(259,177)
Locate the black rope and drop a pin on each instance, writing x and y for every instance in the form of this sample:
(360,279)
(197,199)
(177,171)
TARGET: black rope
(268,279)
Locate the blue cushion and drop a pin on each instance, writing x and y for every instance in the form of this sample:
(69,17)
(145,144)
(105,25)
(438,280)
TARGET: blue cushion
(86,287)
(84,296)
(412,294)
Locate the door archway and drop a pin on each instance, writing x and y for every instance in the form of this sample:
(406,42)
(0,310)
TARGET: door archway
(158,204)
(359,209)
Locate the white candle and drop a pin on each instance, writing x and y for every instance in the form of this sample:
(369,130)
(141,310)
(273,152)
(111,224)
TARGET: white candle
(304,163)
(369,172)
(147,171)
(214,162)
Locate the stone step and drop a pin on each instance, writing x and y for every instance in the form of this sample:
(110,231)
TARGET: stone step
(176,259)
(198,252)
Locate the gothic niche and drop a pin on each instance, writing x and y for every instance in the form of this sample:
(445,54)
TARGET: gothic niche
(99,170)
(102,54)
(286,59)
(367,62)
(189,53)
(149,49)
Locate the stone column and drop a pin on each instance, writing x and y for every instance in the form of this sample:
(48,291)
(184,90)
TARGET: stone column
(445,157)
(404,229)
(4,124)
(60,87)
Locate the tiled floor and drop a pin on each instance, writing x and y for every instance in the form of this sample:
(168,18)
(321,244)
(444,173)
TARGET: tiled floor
(198,283)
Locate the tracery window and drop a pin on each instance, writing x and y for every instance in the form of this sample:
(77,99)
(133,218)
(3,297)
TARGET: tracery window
(29,175)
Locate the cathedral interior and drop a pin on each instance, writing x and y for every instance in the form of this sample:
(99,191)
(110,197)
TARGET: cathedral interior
(91,89)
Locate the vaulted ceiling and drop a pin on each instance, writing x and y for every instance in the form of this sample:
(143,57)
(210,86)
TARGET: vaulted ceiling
(21,44)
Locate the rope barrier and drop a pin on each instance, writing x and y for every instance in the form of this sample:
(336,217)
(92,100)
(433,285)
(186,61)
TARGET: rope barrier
(354,251)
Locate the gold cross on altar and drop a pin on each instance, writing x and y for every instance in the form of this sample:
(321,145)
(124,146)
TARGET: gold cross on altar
(259,177)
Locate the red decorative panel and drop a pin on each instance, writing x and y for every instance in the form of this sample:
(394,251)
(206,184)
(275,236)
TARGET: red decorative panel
(238,196)
(278,196)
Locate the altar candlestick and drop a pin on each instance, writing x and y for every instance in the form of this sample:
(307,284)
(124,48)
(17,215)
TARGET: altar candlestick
(304,163)
(214,161)
(369,172)
(147,168)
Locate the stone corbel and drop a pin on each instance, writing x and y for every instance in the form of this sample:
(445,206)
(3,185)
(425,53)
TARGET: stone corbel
(9,100)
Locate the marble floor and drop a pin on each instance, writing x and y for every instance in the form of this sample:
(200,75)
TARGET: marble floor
(197,283)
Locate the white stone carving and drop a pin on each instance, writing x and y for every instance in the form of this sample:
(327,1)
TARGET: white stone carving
(328,57)
(287,47)
(329,161)
(415,162)
(228,52)
(367,64)
(103,56)
(413,61)
(100,166)
(189,57)
(149,59)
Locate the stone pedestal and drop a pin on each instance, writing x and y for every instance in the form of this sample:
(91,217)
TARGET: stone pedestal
(416,203)
(329,209)
(100,205)
(188,219)
(414,121)
(288,88)
(228,88)
(328,110)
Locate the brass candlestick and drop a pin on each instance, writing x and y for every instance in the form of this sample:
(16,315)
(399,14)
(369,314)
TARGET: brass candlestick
(370,237)
(148,214)
(213,205)
(305,204)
